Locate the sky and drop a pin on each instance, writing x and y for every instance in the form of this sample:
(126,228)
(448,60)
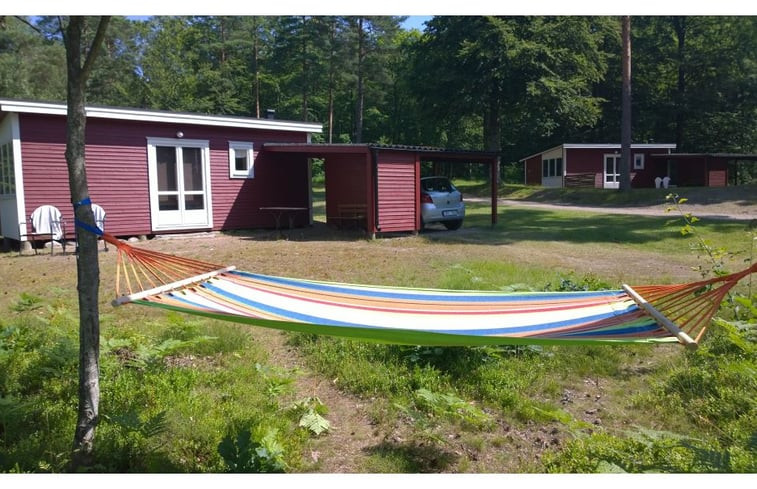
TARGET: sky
(416,22)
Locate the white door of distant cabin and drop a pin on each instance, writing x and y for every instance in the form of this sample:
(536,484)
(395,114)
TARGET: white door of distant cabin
(179,184)
(612,171)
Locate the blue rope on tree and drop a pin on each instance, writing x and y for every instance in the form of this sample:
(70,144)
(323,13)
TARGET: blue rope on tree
(82,224)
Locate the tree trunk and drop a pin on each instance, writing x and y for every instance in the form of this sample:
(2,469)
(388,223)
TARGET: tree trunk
(256,69)
(87,266)
(360,94)
(492,127)
(332,77)
(625,127)
(679,24)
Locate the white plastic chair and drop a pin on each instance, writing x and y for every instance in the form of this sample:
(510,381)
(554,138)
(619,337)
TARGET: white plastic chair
(658,182)
(666,182)
(99,213)
(45,224)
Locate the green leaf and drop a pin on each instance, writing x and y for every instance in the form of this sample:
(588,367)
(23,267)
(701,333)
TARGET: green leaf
(314,422)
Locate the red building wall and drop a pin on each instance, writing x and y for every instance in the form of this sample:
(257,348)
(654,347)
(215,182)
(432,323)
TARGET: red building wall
(117,171)
(590,161)
(398,192)
(533,170)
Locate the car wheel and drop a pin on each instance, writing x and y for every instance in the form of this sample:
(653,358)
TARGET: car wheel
(453,225)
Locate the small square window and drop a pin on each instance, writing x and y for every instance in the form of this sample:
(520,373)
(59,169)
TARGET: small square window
(638,161)
(241,160)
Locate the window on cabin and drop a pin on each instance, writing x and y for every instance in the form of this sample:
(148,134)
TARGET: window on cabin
(241,160)
(7,175)
(552,167)
(638,161)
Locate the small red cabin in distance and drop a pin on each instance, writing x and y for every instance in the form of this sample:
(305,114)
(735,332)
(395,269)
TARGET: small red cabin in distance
(595,165)
(153,172)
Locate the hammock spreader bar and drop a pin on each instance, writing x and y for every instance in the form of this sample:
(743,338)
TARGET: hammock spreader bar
(639,314)
(661,319)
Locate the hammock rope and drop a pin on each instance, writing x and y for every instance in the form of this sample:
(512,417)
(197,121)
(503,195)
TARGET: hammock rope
(646,313)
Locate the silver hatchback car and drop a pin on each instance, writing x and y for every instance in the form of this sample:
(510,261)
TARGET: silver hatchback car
(441,202)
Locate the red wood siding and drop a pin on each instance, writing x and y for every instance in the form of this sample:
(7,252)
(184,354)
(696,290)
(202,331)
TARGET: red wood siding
(117,171)
(717,172)
(533,170)
(398,202)
(582,163)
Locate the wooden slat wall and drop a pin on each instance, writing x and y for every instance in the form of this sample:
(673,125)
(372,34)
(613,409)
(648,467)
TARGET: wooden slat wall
(117,171)
(397,182)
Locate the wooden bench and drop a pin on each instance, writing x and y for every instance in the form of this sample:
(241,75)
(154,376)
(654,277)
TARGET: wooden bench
(350,216)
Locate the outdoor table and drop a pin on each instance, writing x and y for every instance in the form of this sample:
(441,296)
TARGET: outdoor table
(278,212)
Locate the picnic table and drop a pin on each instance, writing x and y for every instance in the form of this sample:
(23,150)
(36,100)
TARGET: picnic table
(279,212)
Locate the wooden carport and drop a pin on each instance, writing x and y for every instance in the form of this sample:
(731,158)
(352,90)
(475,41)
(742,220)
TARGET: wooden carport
(702,169)
(385,179)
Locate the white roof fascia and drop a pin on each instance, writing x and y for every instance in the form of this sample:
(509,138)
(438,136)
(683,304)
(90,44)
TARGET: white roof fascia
(613,146)
(668,146)
(161,116)
(542,152)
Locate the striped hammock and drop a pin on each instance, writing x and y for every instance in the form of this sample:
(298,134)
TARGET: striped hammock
(640,314)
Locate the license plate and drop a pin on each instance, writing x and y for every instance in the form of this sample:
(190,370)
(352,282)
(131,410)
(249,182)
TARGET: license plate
(449,213)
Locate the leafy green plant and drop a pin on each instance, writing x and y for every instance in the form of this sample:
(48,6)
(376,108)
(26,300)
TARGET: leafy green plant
(26,302)
(716,255)
(246,453)
(310,412)
(142,354)
(277,380)
(452,407)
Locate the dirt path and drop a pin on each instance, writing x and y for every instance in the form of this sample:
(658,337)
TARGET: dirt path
(730,211)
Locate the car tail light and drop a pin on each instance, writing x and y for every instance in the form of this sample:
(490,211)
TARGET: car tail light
(426,199)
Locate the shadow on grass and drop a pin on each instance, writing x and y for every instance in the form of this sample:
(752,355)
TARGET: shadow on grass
(517,224)
(410,458)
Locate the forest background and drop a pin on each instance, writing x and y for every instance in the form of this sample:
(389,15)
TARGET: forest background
(514,84)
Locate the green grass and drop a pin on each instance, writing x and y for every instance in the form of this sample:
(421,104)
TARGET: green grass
(603,197)
(183,394)
(170,393)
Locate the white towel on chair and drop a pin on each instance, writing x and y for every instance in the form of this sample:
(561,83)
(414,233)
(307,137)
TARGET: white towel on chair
(46,220)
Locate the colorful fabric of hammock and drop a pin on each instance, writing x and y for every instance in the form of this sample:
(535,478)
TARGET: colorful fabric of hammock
(414,316)
(643,314)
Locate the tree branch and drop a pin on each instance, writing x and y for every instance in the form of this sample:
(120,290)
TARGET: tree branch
(23,20)
(102,26)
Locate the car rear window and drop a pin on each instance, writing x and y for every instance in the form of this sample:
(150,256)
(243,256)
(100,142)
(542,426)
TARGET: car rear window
(437,185)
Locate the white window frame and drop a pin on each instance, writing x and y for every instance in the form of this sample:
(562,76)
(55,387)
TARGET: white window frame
(638,161)
(241,146)
(155,212)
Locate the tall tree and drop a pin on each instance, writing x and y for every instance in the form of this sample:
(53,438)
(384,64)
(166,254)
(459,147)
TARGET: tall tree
(523,80)
(79,62)
(625,127)
(695,82)
(32,61)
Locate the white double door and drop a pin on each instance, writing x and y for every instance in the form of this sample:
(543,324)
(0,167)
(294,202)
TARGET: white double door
(179,184)
(612,171)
